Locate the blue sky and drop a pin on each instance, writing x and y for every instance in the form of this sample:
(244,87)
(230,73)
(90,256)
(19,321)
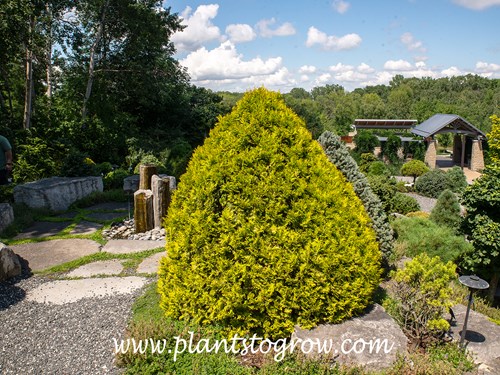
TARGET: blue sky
(237,45)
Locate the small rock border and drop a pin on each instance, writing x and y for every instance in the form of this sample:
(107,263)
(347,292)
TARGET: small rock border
(126,230)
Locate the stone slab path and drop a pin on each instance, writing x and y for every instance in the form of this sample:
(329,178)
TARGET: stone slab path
(61,292)
(150,264)
(105,267)
(131,246)
(46,254)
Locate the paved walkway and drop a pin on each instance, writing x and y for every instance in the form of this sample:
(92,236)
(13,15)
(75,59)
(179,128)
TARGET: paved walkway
(66,323)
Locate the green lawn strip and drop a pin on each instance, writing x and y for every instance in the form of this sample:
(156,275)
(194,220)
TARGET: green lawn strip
(148,322)
(100,256)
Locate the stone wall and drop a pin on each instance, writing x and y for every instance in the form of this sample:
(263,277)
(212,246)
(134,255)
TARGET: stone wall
(430,154)
(477,158)
(6,216)
(56,193)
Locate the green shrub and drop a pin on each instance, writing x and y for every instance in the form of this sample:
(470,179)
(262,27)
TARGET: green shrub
(457,182)
(423,294)
(378,168)
(264,232)
(77,164)
(391,147)
(114,179)
(446,212)
(365,142)
(178,158)
(403,204)
(149,158)
(432,183)
(414,168)
(339,155)
(401,187)
(418,235)
(365,161)
(422,214)
(103,168)
(35,160)
(385,189)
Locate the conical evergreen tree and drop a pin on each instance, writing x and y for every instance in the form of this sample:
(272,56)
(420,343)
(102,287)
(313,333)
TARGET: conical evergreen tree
(339,155)
(264,232)
(446,212)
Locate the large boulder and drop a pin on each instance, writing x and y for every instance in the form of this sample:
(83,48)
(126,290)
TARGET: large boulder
(10,265)
(373,340)
(6,216)
(56,193)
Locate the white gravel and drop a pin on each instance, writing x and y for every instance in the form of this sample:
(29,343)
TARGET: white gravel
(74,338)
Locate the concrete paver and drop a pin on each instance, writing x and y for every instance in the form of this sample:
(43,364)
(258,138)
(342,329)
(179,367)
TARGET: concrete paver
(43,255)
(105,267)
(67,291)
(130,246)
(150,264)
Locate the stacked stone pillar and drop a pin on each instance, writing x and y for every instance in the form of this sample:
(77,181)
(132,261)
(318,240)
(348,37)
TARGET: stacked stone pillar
(431,154)
(152,199)
(477,158)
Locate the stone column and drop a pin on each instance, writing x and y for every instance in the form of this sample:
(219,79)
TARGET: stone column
(146,171)
(457,148)
(430,154)
(477,159)
(161,198)
(143,211)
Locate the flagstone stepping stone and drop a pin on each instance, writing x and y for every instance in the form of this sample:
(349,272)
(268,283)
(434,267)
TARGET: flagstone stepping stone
(150,264)
(67,215)
(60,292)
(131,246)
(42,229)
(105,267)
(46,254)
(86,227)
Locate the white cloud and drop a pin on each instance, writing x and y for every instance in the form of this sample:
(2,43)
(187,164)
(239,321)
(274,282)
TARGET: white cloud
(199,28)
(351,76)
(324,78)
(332,42)
(484,67)
(224,62)
(397,65)
(304,78)
(307,69)
(339,67)
(281,77)
(477,4)
(239,33)
(340,6)
(451,71)
(413,45)
(264,28)
(365,68)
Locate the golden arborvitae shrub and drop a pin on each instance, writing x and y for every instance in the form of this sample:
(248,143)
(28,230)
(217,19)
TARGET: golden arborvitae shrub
(264,233)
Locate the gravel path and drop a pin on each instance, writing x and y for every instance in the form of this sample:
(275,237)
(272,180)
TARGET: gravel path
(426,204)
(76,338)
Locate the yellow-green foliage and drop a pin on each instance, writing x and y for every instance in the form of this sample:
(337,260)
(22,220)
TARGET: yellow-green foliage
(264,233)
(424,294)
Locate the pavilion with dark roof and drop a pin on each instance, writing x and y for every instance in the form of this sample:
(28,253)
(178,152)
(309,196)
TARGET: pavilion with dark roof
(467,140)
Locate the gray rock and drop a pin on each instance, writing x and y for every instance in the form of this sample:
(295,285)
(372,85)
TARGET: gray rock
(10,266)
(6,216)
(56,193)
(372,340)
